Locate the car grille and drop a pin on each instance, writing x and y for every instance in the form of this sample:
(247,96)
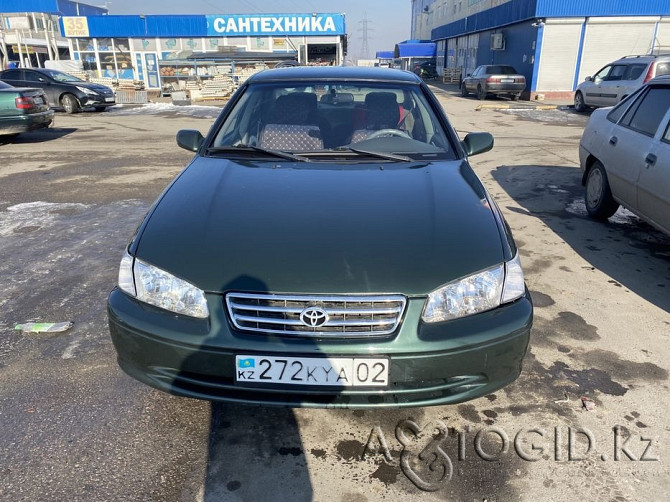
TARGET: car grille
(334,316)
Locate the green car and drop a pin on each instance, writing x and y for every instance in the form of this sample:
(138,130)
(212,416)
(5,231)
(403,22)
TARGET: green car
(23,109)
(328,246)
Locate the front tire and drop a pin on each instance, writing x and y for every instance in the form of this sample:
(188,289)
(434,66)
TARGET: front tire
(464,91)
(70,103)
(580,106)
(598,197)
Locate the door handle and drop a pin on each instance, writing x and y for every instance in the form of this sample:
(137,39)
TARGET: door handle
(650,159)
(614,140)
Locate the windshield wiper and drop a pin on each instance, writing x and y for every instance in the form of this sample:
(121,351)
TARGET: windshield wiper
(380,155)
(256,149)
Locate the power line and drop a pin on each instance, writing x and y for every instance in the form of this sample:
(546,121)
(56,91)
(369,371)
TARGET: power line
(365,29)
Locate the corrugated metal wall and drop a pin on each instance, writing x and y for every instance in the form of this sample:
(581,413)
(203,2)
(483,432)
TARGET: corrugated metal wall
(583,8)
(150,26)
(507,13)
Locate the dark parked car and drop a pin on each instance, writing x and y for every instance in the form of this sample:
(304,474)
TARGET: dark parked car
(625,156)
(494,79)
(23,110)
(62,89)
(337,253)
(426,70)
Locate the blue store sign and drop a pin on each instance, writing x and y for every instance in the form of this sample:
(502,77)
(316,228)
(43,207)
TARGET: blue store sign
(275,24)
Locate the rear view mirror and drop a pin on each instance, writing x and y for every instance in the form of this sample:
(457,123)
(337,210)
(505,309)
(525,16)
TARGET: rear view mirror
(477,142)
(190,139)
(588,79)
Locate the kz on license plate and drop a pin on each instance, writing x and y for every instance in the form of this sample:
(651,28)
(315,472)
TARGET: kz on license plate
(316,371)
(109,99)
(507,80)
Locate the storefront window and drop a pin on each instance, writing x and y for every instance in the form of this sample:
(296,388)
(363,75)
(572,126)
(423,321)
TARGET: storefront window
(84,44)
(88,61)
(104,44)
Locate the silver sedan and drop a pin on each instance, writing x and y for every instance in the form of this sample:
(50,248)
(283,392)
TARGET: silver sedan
(625,156)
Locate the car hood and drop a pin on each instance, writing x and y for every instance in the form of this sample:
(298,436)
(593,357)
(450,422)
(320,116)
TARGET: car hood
(95,87)
(314,228)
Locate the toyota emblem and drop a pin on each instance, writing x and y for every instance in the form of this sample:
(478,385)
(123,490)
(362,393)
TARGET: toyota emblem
(314,317)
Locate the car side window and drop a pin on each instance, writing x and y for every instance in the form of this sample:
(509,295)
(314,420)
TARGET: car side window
(12,75)
(634,71)
(646,116)
(623,105)
(666,136)
(616,73)
(602,74)
(32,76)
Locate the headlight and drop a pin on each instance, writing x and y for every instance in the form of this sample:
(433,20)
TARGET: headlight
(155,286)
(477,293)
(86,90)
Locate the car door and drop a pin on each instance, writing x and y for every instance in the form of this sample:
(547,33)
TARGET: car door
(41,81)
(472,79)
(608,89)
(653,189)
(629,143)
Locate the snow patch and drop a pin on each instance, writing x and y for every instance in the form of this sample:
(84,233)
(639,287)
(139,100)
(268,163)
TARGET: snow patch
(32,216)
(199,111)
(623,216)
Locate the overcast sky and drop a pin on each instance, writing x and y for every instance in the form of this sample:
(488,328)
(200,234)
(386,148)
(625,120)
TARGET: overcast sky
(388,20)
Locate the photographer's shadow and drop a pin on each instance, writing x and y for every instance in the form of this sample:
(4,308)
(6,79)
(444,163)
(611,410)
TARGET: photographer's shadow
(255,453)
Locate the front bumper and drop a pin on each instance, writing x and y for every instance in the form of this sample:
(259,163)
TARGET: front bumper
(436,364)
(87,100)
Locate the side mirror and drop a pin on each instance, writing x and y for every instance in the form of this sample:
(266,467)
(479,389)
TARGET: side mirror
(190,139)
(588,79)
(477,142)
(469,75)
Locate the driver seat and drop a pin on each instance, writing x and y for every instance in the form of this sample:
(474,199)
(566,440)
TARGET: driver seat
(381,112)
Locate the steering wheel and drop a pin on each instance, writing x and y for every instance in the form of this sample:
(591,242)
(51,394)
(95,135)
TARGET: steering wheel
(389,132)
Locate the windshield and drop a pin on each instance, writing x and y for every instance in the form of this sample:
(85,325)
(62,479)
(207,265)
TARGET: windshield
(62,77)
(322,119)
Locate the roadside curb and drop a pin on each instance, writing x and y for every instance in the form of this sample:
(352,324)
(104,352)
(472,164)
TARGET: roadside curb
(504,106)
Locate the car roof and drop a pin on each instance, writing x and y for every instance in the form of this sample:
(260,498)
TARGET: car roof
(642,58)
(356,73)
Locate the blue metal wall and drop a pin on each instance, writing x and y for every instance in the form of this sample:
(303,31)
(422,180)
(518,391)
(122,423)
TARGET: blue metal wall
(520,43)
(60,7)
(522,10)
(147,26)
(507,13)
(591,8)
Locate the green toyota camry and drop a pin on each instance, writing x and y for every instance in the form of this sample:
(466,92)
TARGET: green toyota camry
(328,246)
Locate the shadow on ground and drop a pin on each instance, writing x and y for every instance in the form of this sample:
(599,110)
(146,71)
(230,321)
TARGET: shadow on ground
(38,136)
(255,453)
(631,252)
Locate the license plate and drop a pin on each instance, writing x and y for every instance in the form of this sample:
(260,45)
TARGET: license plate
(314,371)
(109,99)
(38,100)
(507,80)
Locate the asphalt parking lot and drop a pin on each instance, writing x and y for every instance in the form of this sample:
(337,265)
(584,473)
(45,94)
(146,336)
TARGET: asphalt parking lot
(586,419)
